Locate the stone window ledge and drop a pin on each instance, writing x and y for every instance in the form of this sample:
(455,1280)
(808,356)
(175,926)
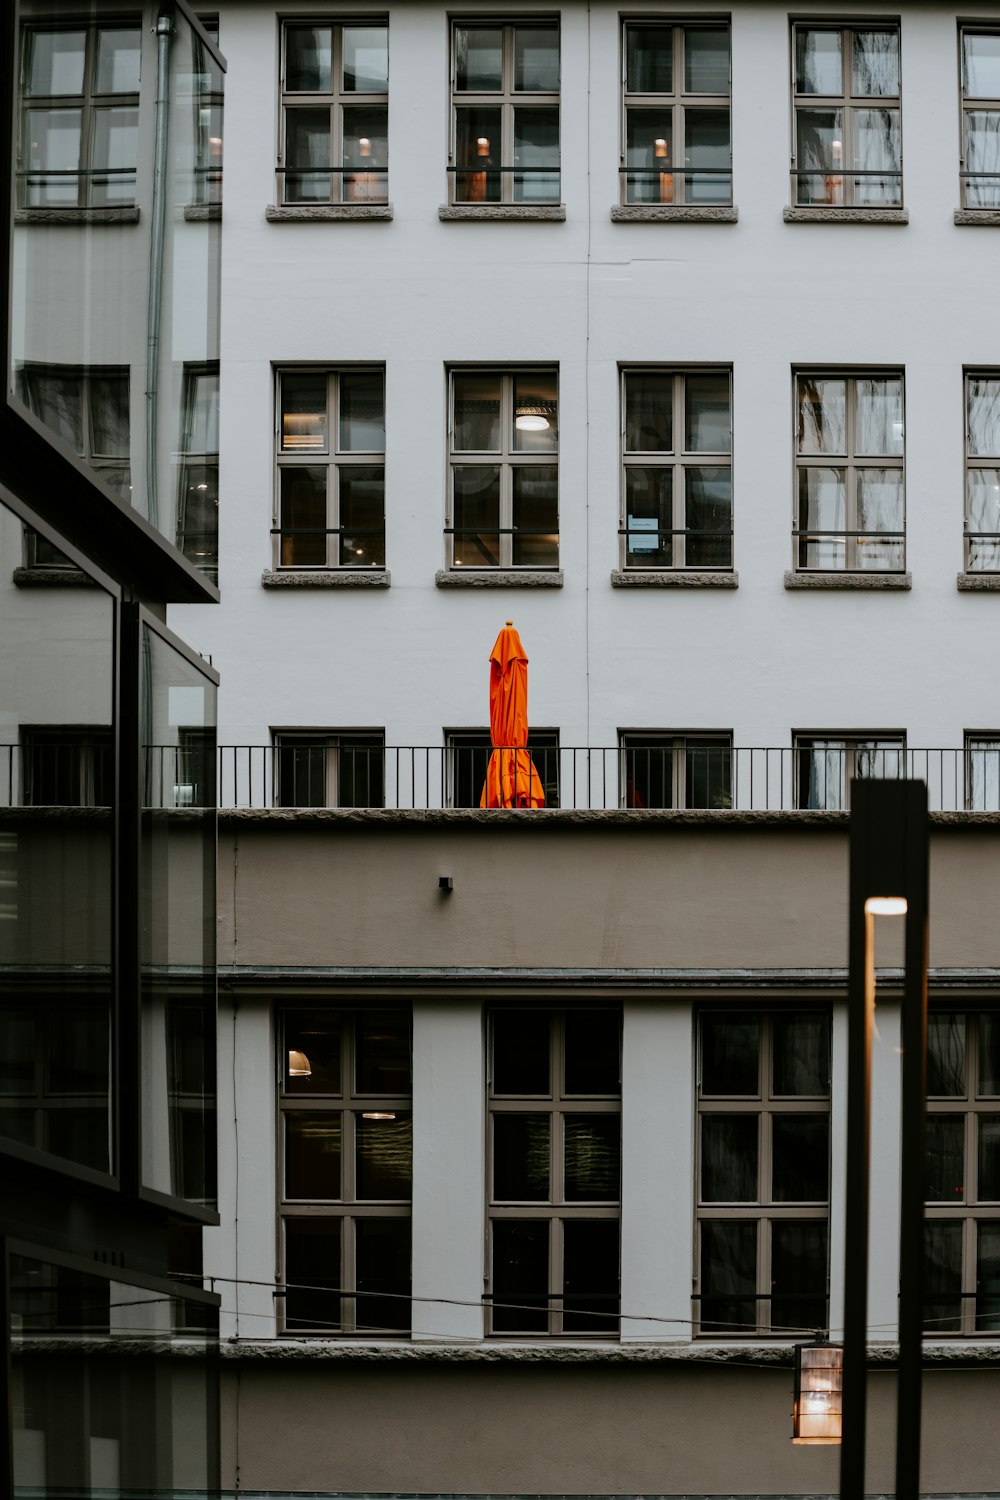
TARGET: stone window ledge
(670,578)
(199,213)
(328,213)
(498,578)
(824,215)
(331,578)
(981,218)
(848,580)
(52,578)
(979,583)
(673,213)
(123,215)
(503,213)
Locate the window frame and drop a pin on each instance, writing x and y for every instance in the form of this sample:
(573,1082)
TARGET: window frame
(506,459)
(852,464)
(678,102)
(334,460)
(985,742)
(372,185)
(848,744)
(543,743)
(969,104)
(978,463)
(765,1103)
(679,745)
(331,742)
(190,460)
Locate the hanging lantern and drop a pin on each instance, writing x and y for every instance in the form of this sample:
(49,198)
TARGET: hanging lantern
(819,1381)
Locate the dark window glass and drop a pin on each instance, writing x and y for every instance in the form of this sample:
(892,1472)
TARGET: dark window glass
(590,1276)
(79,1051)
(989,1158)
(801,1055)
(729,1145)
(945,1158)
(593,1050)
(942,1277)
(798,1275)
(383,1053)
(312,1052)
(989,1055)
(708,768)
(382,1252)
(312,1156)
(312,1274)
(730,1050)
(593,1154)
(946,1055)
(520,1275)
(17,1052)
(79,1133)
(384,1154)
(521,1147)
(801,1158)
(988,1279)
(728,1276)
(521,1052)
(647,769)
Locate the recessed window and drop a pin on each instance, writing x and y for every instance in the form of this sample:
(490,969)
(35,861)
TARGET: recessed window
(982,471)
(850,511)
(198,498)
(659,768)
(329,768)
(505,104)
(467,755)
(763,1173)
(554,1173)
(331,469)
(980,163)
(826,764)
(677,489)
(847,147)
(982,771)
(346,1171)
(504,469)
(334,114)
(677,146)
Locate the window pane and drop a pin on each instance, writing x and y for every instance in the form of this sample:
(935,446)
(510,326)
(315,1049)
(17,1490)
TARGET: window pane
(942,1277)
(728,1276)
(312,1274)
(946,1055)
(983,405)
(521,1154)
(118,61)
(800,1158)
(477,414)
(648,413)
(983,500)
(301,774)
(648,156)
(707,144)
(982,758)
(801,1046)
(989,1159)
(477,516)
(536,424)
(880,508)
(822,508)
(820,154)
(478,150)
(877,150)
(109,416)
(648,517)
(361,779)
(708,779)
(303,518)
(706,60)
(303,412)
(729,1153)
(116,144)
(647,771)
(536,146)
(55,62)
(520,1052)
(945,1158)
(17,1052)
(312,1052)
(822,411)
(818,62)
(79,1133)
(366,59)
(362,516)
(730,1051)
(988,1279)
(593,1156)
(308,59)
(981,64)
(382,1255)
(56,398)
(593,1049)
(536,59)
(536,517)
(649,55)
(982,157)
(798,1275)
(384,1154)
(706,414)
(362,412)
(54,155)
(366,153)
(590,1276)
(307,144)
(382,1066)
(312,1156)
(876,63)
(989,1055)
(78,1052)
(520,1276)
(479,58)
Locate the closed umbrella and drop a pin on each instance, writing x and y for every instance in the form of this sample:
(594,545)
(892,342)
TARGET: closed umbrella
(511,778)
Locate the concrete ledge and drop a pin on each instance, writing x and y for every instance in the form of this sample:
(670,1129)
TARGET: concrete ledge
(330,578)
(848,580)
(197,213)
(825,215)
(123,215)
(327,213)
(540,818)
(498,578)
(672,578)
(978,583)
(52,578)
(673,213)
(503,213)
(979,218)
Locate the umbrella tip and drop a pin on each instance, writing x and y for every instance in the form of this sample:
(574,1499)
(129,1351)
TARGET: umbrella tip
(510,622)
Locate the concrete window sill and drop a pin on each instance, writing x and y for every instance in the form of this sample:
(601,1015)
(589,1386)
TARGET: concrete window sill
(332,578)
(673,213)
(978,218)
(52,578)
(502,213)
(848,580)
(498,578)
(979,583)
(824,215)
(667,578)
(123,215)
(200,213)
(328,213)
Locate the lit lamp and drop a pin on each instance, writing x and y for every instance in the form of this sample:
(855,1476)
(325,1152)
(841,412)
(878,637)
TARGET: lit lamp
(476,181)
(835,184)
(819,1381)
(531,419)
(299,1065)
(361,184)
(662,153)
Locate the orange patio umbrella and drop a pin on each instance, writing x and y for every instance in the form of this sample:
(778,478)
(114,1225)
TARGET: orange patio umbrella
(511,778)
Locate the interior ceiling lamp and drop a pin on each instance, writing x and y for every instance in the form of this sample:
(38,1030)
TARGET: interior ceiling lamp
(819,1381)
(299,1065)
(482,145)
(532,417)
(885,906)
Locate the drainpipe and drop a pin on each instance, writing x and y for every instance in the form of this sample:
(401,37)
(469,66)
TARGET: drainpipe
(164,29)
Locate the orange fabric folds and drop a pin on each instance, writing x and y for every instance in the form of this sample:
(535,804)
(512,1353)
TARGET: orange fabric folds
(511,778)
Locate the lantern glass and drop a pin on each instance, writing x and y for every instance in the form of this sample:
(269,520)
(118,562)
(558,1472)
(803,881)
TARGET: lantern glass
(819,1378)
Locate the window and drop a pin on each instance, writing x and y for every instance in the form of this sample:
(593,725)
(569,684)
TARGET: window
(79,115)
(962,1229)
(555,1169)
(67,765)
(850,507)
(663,769)
(763,1173)
(198,504)
(826,764)
(677,145)
(467,754)
(334,116)
(207,101)
(504,477)
(980,163)
(982,772)
(55,1060)
(677,483)
(329,768)
(346,1171)
(331,469)
(505,93)
(847,146)
(982,472)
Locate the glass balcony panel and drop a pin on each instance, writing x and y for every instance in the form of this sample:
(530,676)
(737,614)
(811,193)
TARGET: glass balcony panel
(800,1158)
(729,1157)
(479,59)
(730,1056)
(536,146)
(649,59)
(590,1276)
(521,1158)
(366,59)
(308,59)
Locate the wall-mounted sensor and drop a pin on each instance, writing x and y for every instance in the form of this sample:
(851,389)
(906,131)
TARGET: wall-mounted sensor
(445,883)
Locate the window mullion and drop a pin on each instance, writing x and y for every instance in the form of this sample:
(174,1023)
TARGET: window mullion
(678,504)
